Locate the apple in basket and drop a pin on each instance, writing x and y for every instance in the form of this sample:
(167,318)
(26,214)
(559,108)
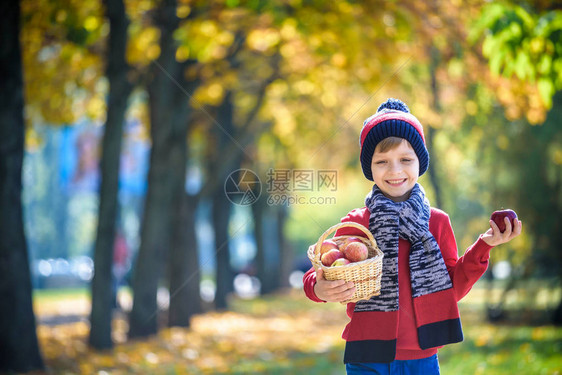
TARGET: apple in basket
(340,262)
(347,241)
(328,245)
(356,251)
(330,257)
(498,218)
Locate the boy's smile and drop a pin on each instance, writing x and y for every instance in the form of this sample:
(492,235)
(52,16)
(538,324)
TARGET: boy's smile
(395,171)
(396,183)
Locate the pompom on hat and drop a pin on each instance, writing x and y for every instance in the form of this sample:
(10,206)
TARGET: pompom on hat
(393,119)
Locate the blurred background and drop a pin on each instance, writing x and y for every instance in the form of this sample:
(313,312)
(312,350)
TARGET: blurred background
(166,165)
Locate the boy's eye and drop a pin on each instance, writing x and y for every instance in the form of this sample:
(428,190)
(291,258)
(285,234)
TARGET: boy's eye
(380,162)
(406,160)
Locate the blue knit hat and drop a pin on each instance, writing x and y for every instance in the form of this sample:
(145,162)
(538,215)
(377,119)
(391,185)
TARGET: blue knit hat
(393,119)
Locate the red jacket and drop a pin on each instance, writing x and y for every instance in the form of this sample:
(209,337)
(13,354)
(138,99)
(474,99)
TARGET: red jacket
(464,272)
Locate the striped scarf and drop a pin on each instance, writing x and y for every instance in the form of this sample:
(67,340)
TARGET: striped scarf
(430,281)
(408,220)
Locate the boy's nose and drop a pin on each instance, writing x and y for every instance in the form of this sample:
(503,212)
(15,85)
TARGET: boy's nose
(395,167)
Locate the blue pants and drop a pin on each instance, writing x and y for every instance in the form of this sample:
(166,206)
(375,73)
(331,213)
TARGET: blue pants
(424,366)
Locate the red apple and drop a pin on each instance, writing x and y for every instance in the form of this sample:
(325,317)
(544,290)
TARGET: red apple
(328,245)
(347,241)
(330,257)
(498,218)
(356,251)
(340,262)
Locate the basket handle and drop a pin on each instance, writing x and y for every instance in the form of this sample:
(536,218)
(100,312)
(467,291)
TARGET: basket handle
(335,228)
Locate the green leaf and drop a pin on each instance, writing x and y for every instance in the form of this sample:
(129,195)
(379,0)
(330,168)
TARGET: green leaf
(232,3)
(488,46)
(545,64)
(497,61)
(527,20)
(523,65)
(546,91)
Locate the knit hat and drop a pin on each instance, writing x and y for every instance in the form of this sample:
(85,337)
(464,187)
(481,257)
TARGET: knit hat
(393,119)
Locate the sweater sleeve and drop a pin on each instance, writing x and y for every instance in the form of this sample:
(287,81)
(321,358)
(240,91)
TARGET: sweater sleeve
(360,216)
(467,269)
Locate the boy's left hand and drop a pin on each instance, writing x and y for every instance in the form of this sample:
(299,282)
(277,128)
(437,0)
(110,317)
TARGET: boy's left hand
(494,237)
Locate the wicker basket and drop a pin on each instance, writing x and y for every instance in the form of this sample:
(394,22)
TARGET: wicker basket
(366,275)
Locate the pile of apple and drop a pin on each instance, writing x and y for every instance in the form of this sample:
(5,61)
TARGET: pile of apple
(351,250)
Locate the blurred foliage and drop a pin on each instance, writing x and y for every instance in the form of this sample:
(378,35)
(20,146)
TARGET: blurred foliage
(521,41)
(320,68)
(282,334)
(62,59)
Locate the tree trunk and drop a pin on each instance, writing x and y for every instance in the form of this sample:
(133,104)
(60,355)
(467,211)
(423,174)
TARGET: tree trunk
(557,315)
(285,251)
(153,248)
(154,231)
(224,274)
(436,104)
(183,268)
(19,350)
(185,275)
(119,91)
(221,205)
(260,260)
(156,223)
(267,256)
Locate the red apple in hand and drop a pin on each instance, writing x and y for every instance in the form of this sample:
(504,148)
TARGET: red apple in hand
(498,218)
(356,251)
(340,262)
(328,245)
(330,257)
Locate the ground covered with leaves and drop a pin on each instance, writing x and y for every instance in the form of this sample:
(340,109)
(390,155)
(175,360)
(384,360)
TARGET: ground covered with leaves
(281,334)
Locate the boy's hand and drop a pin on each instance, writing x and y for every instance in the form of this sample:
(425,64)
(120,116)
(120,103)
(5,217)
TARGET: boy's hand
(332,291)
(494,237)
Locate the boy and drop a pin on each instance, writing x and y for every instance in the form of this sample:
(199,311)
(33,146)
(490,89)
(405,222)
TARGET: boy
(400,330)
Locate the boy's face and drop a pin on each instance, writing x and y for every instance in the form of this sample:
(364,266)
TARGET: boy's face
(396,171)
